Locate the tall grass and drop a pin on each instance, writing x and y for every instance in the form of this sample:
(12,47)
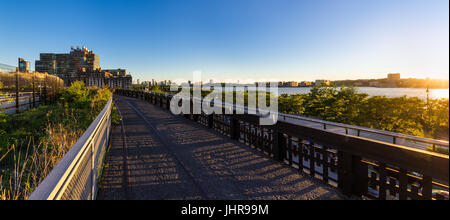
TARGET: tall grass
(28,167)
(35,151)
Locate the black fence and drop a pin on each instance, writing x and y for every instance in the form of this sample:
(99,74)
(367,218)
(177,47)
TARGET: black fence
(23,91)
(359,167)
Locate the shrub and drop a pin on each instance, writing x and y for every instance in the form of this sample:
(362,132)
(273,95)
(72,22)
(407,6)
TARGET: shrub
(33,142)
(407,115)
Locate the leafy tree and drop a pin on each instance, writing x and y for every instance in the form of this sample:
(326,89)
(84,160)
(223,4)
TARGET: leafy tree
(100,99)
(407,115)
(398,114)
(76,95)
(436,118)
(333,104)
(292,104)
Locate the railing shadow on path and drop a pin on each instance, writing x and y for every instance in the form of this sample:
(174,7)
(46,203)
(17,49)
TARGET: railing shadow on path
(357,166)
(193,162)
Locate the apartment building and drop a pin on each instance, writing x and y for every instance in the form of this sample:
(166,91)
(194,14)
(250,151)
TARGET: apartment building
(81,64)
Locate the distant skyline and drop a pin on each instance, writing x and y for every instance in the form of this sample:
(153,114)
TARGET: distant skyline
(290,40)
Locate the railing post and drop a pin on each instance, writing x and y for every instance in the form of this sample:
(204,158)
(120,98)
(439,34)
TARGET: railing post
(195,117)
(17,92)
(352,174)
(191,109)
(45,91)
(279,144)
(211,120)
(34,98)
(168,102)
(235,128)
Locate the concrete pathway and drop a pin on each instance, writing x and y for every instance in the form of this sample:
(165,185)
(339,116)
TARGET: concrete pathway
(159,156)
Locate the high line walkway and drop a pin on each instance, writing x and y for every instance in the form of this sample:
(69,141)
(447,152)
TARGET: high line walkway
(157,155)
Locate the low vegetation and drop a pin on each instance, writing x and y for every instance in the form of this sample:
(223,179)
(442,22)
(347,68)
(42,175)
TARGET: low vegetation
(33,142)
(406,115)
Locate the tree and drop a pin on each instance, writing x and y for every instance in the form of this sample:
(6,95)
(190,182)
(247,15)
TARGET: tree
(407,115)
(76,95)
(398,114)
(291,104)
(333,104)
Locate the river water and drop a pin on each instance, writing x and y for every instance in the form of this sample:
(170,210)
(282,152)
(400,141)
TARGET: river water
(373,91)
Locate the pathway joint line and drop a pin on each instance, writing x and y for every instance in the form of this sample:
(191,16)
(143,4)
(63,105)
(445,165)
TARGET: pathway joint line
(159,136)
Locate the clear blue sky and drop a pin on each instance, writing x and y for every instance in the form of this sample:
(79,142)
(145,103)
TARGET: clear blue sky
(237,39)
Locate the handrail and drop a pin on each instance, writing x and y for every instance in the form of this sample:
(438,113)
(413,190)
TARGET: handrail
(395,136)
(358,166)
(370,130)
(76,174)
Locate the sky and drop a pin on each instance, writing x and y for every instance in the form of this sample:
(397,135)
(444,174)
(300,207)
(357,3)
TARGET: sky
(237,39)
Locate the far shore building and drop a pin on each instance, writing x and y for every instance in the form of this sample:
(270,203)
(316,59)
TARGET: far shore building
(358,84)
(394,76)
(392,80)
(323,82)
(375,84)
(292,84)
(82,65)
(305,84)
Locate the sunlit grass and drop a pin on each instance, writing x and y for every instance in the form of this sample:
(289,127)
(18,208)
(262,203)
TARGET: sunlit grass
(33,142)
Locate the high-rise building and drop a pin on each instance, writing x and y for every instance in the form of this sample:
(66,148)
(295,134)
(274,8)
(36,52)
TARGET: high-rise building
(69,66)
(24,65)
(82,65)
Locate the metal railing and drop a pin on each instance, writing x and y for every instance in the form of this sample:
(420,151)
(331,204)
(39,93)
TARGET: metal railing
(374,134)
(23,91)
(9,104)
(77,174)
(358,166)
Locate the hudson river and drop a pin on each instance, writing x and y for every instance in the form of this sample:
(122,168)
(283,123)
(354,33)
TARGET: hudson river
(389,92)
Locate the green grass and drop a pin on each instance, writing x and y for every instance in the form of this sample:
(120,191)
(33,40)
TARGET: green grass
(32,143)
